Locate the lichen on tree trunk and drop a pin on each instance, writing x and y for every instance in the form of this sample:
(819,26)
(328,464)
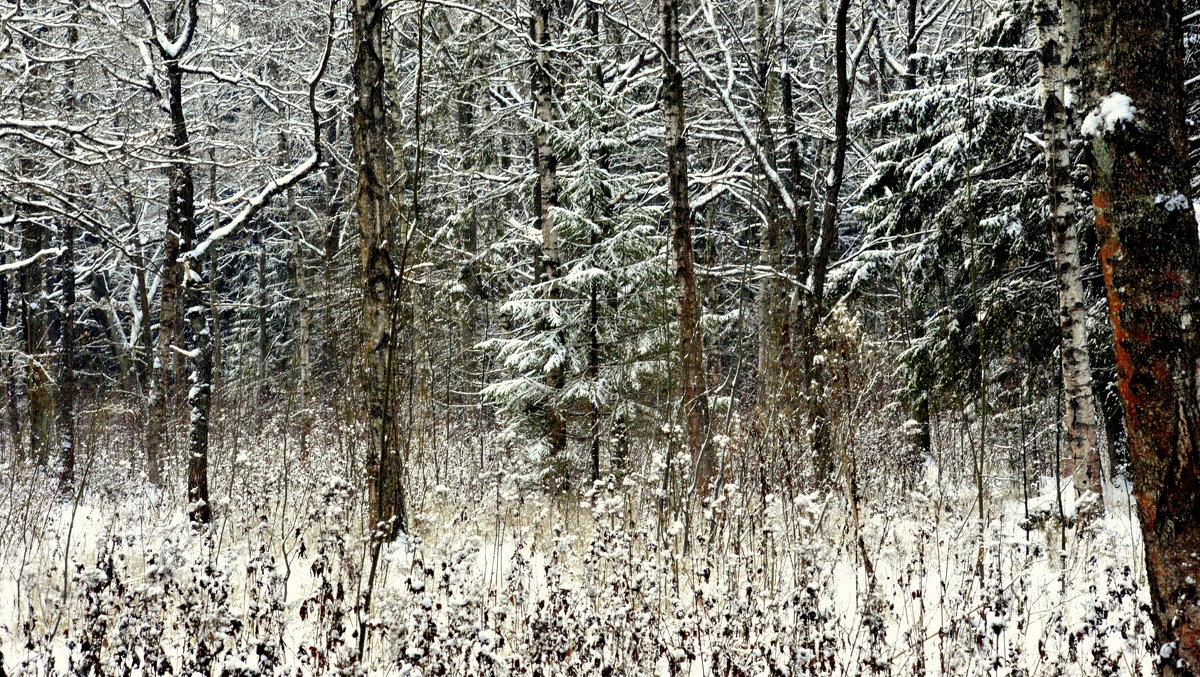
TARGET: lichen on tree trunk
(1150,256)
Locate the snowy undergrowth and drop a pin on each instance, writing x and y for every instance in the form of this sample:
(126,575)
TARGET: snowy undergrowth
(499,579)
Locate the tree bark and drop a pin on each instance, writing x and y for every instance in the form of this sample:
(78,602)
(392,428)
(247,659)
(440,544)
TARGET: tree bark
(260,315)
(65,422)
(38,395)
(180,226)
(693,401)
(66,362)
(772,321)
(377,217)
(604,161)
(106,314)
(1057,22)
(824,247)
(151,372)
(910,46)
(1150,256)
(181,211)
(546,202)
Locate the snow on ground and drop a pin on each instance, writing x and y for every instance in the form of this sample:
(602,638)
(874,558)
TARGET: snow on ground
(500,579)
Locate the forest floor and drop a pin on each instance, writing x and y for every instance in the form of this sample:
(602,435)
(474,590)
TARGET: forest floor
(499,578)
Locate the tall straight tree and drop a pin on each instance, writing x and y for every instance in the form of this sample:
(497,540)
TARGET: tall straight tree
(173,43)
(1058,30)
(1150,255)
(377,220)
(35,327)
(65,422)
(545,193)
(826,241)
(36,337)
(691,337)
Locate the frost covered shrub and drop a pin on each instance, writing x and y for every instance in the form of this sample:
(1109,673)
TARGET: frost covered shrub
(502,579)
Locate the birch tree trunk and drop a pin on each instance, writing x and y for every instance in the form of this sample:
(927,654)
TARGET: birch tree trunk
(377,219)
(106,314)
(693,402)
(546,201)
(1150,256)
(1057,22)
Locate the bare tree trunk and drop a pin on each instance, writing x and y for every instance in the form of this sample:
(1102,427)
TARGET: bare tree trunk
(180,225)
(377,220)
(65,422)
(199,394)
(36,334)
(330,241)
(260,316)
(824,247)
(214,307)
(10,381)
(150,369)
(546,201)
(142,345)
(106,314)
(910,46)
(694,403)
(800,224)
(1058,22)
(66,362)
(303,352)
(771,321)
(188,282)
(604,161)
(182,210)
(1150,255)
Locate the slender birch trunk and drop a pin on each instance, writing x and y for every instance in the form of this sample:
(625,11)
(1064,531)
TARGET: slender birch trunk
(772,369)
(1057,22)
(546,202)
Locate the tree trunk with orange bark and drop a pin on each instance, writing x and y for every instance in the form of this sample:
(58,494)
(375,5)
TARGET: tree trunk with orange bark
(1150,255)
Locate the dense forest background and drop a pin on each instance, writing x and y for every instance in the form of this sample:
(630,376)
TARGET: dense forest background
(392,295)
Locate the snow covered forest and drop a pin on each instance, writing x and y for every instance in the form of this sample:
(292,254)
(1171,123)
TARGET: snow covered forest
(599,337)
